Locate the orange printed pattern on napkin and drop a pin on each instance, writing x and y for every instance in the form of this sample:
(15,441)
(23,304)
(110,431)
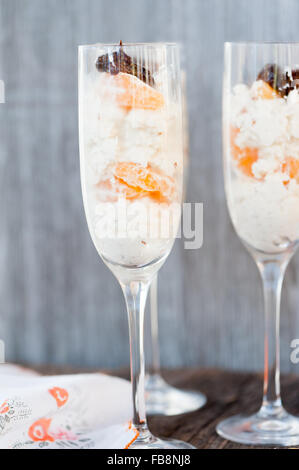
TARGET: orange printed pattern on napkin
(61,395)
(4,408)
(131,427)
(39,431)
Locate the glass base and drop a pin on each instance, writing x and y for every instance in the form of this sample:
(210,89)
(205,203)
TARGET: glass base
(260,429)
(162,399)
(147,441)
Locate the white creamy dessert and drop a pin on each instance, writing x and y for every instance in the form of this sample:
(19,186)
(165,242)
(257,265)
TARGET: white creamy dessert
(263,165)
(131,157)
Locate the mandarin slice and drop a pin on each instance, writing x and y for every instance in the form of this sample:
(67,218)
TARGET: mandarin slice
(130,192)
(265,91)
(134,93)
(147,179)
(290,166)
(245,157)
(245,162)
(113,187)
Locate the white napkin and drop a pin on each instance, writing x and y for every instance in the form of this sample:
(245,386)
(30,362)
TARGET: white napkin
(64,411)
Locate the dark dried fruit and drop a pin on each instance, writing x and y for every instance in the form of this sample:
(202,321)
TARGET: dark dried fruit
(273,75)
(295,74)
(119,61)
(281,81)
(292,80)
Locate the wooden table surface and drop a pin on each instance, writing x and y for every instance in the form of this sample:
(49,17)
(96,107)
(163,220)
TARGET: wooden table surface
(228,393)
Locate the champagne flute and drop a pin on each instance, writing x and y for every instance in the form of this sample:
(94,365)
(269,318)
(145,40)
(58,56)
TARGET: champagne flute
(131,159)
(261,170)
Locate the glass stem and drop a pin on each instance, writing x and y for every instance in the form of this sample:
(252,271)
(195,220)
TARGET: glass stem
(155,368)
(272,272)
(135,293)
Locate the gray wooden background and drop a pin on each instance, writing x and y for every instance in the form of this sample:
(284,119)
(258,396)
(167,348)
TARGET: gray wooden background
(58,302)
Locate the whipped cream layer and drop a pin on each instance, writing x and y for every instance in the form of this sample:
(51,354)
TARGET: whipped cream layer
(263,167)
(140,139)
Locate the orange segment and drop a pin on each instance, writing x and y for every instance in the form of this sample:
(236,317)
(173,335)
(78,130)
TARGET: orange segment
(145,179)
(265,91)
(118,187)
(246,162)
(245,157)
(134,93)
(129,192)
(134,181)
(291,167)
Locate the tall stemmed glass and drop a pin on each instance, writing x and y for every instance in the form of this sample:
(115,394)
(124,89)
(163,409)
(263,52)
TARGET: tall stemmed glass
(261,169)
(162,398)
(130,123)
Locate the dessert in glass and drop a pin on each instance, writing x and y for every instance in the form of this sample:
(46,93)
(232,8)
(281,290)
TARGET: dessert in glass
(162,398)
(131,159)
(261,169)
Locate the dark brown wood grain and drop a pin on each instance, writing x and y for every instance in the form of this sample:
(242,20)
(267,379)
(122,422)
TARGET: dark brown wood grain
(228,393)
